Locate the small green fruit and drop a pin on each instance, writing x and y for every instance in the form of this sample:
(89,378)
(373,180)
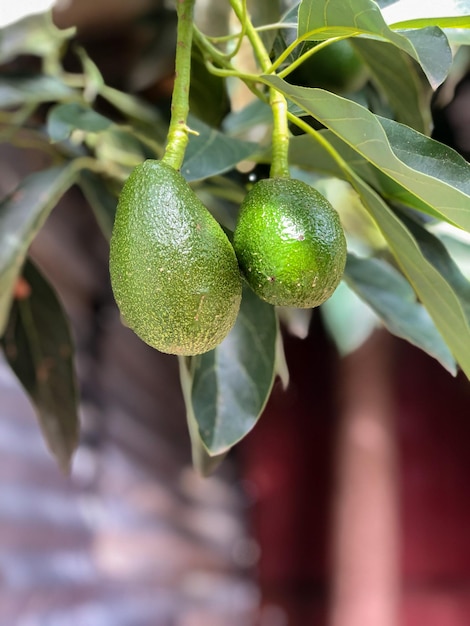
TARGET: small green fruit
(289,243)
(336,67)
(173,270)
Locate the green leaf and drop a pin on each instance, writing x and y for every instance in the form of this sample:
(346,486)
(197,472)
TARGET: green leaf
(38,347)
(391,296)
(348,319)
(101,199)
(211,152)
(256,112)
(395,75)
(202,461)
(232,383)
(417,14)
(211,110)
(436,175)
(63,119)
(36,35)
(425,262)
(307,153)
(16,91)
(22,214)
(324,19)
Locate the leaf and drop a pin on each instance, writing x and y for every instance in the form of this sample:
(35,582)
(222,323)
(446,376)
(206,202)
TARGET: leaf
(101,199)
(239,122)
(430,171)
(211,110)
(202,461)
(211,152)
(395,75)
(38,347)
(232,383)
(348,319)
(390,295)
(35,35)
(416,14)
(63,119)
(324,19)
(436,279)
(307,153)
(22,214)
(16,91)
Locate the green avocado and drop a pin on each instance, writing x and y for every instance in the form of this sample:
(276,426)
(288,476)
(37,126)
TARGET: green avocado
(173,270)
(290,243)
(336,67)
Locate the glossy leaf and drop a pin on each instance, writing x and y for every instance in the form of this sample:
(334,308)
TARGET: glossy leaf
(63,119)
(232,383)
(38,347)
(323,19)
(392,298)
(436,279)
(22,214)
(211,152)
(430,171)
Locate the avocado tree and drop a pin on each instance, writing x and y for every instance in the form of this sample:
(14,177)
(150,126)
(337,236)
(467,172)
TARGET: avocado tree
(334,131)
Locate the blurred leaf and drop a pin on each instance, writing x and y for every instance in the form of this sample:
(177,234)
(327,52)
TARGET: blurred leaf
(22,214)
(436,279)
(208,99)
(391,296)
(335,18)
(101,199)
(239,122)
(63,119)
(211,152)
(38,347)
(131,106)
(396,76)
(430,171)
(348,319)
(16,91)
(121,146)
(307,153)
(232,383)
(202,461)
(416,14)
(36,35)
(264,12)
(281,368)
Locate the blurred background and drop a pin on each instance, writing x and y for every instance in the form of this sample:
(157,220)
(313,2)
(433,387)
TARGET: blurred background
(347,505)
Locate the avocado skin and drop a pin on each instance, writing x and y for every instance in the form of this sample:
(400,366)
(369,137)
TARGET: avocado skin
(173,270)
(290,243)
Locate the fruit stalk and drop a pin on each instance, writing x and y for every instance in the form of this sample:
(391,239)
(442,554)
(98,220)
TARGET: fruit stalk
(278,103)
(177,138)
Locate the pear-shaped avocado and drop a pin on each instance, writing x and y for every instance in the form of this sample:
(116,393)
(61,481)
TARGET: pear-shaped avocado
(173,270)
(289,243)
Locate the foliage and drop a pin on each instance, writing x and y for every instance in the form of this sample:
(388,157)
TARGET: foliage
(368,149)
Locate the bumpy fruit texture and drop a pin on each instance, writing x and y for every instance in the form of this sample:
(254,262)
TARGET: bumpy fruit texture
(173,271)
(290,243)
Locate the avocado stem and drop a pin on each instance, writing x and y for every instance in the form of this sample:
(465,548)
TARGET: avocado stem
(177,138)
(277,101)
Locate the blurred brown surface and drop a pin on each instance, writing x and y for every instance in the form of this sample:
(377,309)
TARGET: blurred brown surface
(134,537)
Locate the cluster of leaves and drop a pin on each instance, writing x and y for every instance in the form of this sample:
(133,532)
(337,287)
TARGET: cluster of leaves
(367,150)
